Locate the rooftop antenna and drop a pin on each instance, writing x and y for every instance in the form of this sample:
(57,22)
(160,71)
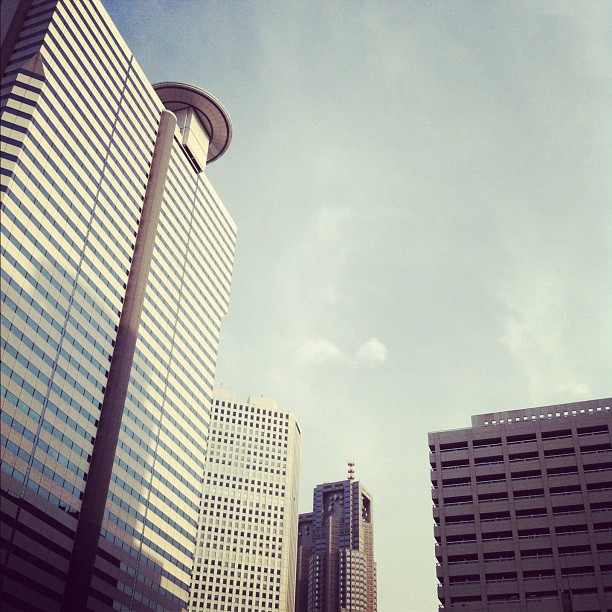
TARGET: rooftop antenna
(351,471)
(351,478)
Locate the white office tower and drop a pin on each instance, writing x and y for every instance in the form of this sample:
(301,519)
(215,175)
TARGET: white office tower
(247,538)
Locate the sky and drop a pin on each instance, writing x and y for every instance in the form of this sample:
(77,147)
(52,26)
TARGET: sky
(423,195)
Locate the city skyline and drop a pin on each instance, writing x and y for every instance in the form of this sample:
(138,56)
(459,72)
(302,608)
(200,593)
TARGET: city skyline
(423,202)
(424,223)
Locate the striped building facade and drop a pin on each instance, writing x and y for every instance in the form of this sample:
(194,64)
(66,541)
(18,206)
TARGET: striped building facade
(116,268)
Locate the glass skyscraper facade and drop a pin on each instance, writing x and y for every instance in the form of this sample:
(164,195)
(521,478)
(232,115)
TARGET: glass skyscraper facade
(116,269)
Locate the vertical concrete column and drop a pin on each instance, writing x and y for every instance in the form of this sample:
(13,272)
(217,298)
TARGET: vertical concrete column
(99,475)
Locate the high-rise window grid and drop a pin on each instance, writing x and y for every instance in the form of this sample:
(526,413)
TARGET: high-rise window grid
(245,556)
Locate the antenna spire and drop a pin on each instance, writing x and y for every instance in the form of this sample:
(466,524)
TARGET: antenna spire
(351,471)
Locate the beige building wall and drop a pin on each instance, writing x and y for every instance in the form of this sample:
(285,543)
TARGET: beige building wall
(247,534)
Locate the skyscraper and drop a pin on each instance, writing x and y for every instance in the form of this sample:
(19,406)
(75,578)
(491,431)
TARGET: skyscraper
(247,534)
(336,571)
(116,268)
(523,510)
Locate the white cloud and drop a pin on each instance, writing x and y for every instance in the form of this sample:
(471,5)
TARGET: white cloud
(318,351)
(575,389)
(373,352)
(330,295)
(330,223)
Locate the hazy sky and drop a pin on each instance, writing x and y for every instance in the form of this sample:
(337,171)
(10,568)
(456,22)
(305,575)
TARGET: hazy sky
(423,194)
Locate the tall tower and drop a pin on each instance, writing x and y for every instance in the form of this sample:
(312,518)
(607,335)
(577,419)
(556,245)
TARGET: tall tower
(523,509)
(247,534)
(116,268)
(336,571)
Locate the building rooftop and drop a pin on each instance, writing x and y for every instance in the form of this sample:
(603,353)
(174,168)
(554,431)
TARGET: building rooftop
(542,412)
(210,112)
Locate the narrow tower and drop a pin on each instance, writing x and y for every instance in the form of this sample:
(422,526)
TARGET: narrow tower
(247,533)
(336,568)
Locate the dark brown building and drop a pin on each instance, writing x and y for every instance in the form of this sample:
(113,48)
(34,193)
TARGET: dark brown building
(336,571)
(522,506)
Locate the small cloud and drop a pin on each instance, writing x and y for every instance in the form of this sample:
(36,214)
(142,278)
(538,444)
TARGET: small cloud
(330,222)
(370,353)
(318,351)
(373,352)
(329,295)
(575,389)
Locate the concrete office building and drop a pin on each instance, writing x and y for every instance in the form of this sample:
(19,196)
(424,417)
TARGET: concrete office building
(336,571)
(523,510)
(116,266)
(247,534)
